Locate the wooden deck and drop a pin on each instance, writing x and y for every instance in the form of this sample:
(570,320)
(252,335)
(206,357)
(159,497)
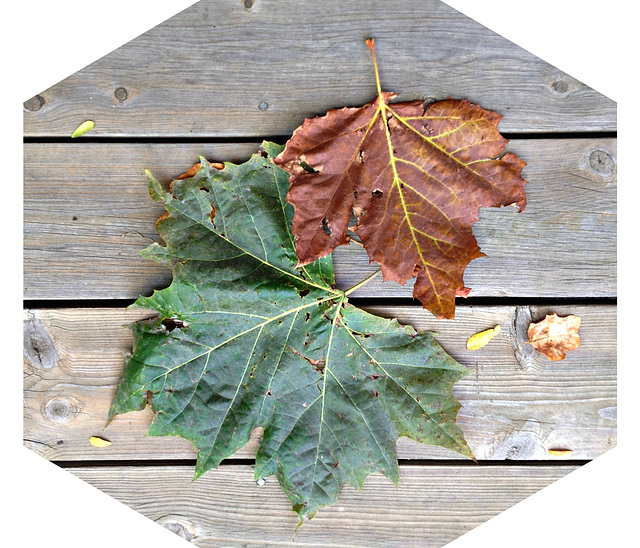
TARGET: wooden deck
(215,81)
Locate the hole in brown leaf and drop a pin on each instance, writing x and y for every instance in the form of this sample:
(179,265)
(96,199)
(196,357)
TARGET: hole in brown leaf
(377,192)
(428,129)
(325,227)
(307,167)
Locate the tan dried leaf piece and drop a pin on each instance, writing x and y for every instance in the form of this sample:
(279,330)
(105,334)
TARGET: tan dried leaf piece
(555,336)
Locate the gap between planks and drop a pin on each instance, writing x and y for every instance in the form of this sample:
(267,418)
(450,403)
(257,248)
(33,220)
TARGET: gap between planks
(251,462)
(281,139)
(355,301)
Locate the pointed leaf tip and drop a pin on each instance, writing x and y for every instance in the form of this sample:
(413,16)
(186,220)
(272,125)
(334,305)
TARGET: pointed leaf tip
(153,186)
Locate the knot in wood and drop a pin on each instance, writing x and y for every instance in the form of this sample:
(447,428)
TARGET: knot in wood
(121,94)
(560,86)
(520,445)
(602,163)
(60,409)
(180,526)
(38,347)
(34,104)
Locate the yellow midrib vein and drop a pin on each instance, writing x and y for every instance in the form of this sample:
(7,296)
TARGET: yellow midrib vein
(397,183)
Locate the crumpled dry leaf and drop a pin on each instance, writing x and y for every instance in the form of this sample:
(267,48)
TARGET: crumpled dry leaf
(555,336)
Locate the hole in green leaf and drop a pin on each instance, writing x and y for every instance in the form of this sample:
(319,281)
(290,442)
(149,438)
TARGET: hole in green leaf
(173,323)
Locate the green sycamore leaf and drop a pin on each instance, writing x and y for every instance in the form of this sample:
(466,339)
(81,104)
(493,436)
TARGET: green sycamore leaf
(245,338)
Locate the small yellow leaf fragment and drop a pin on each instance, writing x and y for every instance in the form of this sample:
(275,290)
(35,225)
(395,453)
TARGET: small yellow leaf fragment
(83,128)
(480,339)
(560,452)
(99,442)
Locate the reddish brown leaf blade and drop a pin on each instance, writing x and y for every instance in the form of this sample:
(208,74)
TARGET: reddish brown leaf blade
(414,177)
(331,145)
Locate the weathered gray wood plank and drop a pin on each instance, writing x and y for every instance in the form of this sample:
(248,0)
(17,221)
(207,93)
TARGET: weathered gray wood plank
(516,404)
(432,506)
(87,214)
(220,69)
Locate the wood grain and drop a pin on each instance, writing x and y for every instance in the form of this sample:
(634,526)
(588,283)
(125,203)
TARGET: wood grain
(226,69)
(516,404)
(219,69)
(432,506)
(87,214)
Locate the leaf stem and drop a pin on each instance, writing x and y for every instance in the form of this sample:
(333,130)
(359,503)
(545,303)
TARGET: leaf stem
(370,43)
(360,284)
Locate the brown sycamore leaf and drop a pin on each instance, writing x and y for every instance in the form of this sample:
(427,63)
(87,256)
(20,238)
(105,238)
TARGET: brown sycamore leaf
(414,178)
(555,336)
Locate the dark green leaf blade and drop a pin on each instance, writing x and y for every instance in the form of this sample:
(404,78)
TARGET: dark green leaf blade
(414,377)
(246,338)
